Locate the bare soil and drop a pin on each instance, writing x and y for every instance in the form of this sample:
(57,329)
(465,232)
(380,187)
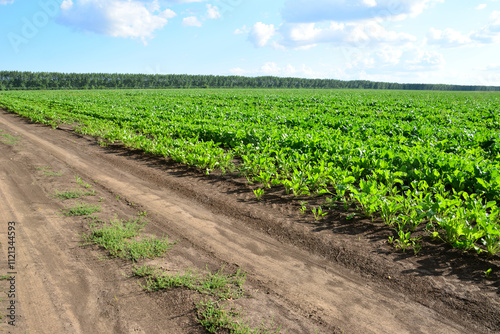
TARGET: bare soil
(337,275)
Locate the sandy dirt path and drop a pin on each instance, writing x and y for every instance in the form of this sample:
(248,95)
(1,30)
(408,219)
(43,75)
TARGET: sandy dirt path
(60,290)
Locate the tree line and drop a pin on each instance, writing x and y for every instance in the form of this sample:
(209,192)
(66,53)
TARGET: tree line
(16,80)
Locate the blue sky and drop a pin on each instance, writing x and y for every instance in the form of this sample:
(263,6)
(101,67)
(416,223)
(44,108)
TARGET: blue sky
(409,41)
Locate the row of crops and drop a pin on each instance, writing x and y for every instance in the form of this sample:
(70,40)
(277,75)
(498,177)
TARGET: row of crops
(419,160)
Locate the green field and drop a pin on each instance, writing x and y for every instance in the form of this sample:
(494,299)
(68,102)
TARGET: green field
(422,161)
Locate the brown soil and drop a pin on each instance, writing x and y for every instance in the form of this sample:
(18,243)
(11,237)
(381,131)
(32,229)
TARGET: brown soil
(336,275)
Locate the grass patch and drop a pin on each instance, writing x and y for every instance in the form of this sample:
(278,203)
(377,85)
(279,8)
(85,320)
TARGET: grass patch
(4,277)
(70,194)
(9,139)
(116,236)
(81,209)
(52,173)
(144,271)
(212,314)
(215,318)
(215,284)
(46,171)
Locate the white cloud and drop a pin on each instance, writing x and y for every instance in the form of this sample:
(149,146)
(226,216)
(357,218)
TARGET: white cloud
(261,33)
(370,3)
(153,6)
(116,18)
(363,34)
(307,33)
(490,67)
(423,60)
(302,47)
(447,37)
(6,2)
(168,14)
(270,68)
(191,21)
(361,61)
(388,64)
(303,11)
(242,30)
(213,12)
(390,61)
(488,34)
(374,32)
(481,6)
(66,4)
(365,47)
(390,56)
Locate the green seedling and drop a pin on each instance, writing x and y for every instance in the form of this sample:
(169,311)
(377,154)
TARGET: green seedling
(330,202)
(350,216)
(416,245)
(303,207)
(249,180)
(488,273)
(346,203)
(404,240)
(288,186)
(264,178)
(259,193)
(318,213)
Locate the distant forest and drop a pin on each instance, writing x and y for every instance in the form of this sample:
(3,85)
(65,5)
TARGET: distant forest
(14,80)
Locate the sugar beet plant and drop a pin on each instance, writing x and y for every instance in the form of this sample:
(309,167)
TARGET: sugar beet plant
(414,158)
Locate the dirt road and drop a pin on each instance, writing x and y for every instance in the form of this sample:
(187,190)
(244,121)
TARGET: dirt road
(64,287)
